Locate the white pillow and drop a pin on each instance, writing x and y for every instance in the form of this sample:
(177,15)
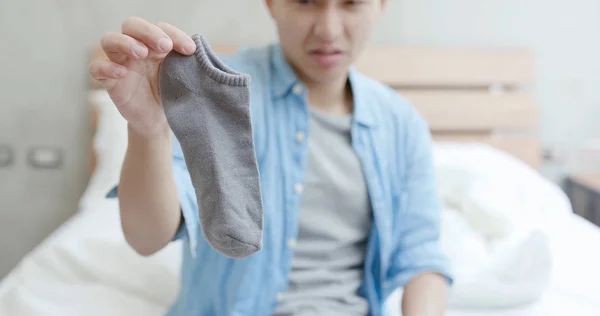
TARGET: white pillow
(495,211)
(496,192)
(110,145)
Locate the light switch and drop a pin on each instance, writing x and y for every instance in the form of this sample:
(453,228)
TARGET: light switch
(6,156)
(45,157)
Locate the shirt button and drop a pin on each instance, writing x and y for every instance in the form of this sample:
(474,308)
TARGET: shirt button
(291,243)
(279,297)
(297,89)
(300,137)
(299,188)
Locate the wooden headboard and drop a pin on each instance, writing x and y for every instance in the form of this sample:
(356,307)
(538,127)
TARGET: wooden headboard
(465,94)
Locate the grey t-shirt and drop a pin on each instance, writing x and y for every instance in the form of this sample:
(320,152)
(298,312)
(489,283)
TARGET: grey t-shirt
(334,224)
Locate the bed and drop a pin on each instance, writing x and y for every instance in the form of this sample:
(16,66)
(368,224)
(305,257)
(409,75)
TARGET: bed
(518,250)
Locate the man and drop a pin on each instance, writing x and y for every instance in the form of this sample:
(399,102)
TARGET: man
(350,208)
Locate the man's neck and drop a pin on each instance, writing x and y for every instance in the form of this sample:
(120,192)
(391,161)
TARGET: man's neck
(332,98)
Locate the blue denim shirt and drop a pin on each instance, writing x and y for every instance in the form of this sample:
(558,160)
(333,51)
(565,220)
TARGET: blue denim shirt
(393,143)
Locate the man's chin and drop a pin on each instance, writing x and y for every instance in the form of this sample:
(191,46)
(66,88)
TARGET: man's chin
(329,74)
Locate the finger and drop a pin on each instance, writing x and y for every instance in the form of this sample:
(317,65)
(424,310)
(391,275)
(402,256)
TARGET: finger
(107,72)
(119,46)
(182,42)
(148,33)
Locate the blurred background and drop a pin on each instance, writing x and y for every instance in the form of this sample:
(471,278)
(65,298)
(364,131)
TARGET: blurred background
(46,45)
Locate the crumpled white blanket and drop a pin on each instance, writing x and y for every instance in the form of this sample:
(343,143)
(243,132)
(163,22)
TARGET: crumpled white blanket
(495,209)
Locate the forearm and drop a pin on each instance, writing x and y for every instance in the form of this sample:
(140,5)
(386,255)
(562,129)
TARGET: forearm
(425,295)
(147,193)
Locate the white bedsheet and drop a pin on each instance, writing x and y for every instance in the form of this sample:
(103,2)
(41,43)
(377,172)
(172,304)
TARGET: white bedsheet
(86,268)
(574,286)
(494,225)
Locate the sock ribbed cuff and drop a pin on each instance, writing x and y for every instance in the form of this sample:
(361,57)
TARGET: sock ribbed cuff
(214,67)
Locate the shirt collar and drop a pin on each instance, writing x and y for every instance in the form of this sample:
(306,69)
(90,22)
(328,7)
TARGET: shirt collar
(363,111)
(284,78)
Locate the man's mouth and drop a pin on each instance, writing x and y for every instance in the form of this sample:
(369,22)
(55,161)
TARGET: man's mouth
(326,57)
(326,51)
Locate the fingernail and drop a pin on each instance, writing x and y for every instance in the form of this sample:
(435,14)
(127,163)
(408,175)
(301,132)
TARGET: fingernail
(190,47)
(164,45)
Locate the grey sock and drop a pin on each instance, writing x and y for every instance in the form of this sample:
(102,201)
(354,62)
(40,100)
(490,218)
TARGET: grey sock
(207,105)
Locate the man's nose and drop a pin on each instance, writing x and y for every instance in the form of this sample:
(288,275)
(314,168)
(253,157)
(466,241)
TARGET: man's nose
(328,25)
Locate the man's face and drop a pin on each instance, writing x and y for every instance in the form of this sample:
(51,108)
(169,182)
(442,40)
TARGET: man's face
(322,38)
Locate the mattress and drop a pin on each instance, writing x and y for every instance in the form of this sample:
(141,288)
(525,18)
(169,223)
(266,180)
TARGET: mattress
(86,268)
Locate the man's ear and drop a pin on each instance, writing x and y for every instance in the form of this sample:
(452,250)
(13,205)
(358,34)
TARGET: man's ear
(269,4)
(383,5)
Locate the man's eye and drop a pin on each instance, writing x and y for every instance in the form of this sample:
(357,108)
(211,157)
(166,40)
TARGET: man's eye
(305,1)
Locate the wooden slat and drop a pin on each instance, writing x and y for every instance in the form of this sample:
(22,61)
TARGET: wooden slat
(97,53)
(223,49)
(590,180)
(524,148)
(474,110)
(451,67)
(93,127)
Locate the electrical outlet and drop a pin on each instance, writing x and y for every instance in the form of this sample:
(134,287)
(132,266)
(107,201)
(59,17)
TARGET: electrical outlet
(6,156)
(45,157)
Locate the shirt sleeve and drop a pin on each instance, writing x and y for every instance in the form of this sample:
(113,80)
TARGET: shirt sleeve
(417,232)
(190,223)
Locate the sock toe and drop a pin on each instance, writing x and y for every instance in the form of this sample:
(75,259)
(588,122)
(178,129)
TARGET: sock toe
(231,245)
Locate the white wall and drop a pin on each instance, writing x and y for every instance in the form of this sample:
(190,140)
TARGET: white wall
(563,35)
(43,67)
